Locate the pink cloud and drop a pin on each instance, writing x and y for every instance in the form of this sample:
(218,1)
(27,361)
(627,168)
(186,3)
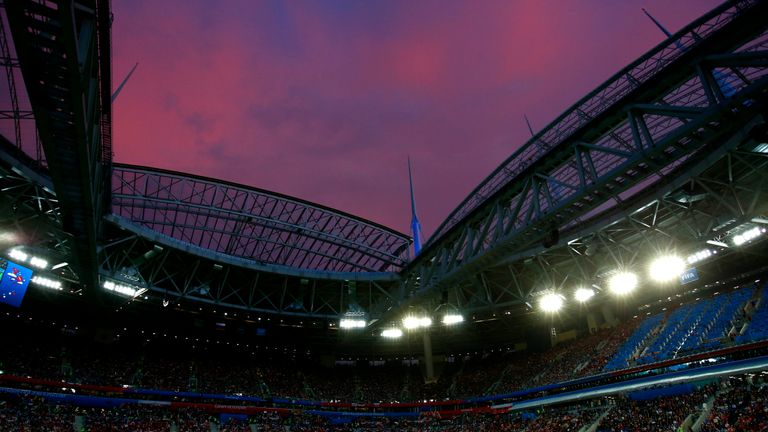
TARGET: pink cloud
(325,100)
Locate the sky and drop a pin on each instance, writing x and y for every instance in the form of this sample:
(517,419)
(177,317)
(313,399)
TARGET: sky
(325,100)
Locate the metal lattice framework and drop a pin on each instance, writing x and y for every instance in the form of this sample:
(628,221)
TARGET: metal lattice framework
(658,121)
(176,275)
(253,228)
(30,213)
(644,71)
(664,155)
(64,53)
(723,199)
(16,116)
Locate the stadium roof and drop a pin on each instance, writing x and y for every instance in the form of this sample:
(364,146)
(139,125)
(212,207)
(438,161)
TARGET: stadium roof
(251,227)
(665,152)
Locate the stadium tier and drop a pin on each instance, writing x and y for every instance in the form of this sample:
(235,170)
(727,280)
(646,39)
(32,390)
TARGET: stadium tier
(732,404)
(168,363)
(699,326)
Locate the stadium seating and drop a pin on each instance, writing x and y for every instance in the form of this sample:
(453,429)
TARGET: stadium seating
(756,326)
(629,348)
(691,328)
(663,414)
(694,327)
(739,408)
(737,404)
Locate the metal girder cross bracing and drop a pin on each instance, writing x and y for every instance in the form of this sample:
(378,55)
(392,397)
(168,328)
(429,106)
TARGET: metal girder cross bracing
(667,110)
(64,52)
(253,228)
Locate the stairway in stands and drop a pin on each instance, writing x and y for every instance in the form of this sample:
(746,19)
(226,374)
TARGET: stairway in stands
(755,327)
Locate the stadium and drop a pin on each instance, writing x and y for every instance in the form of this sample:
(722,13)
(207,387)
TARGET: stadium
(609,275)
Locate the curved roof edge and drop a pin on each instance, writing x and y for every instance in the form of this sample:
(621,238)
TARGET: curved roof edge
(264,191)
(537,146)
(171,242)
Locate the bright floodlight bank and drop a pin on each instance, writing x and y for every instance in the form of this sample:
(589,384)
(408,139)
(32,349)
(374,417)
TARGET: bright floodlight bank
(667,268)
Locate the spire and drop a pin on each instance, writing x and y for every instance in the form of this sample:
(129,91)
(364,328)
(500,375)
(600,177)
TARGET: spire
(527,122)
(658,24)
(663,29)
(120,87)
(539,142)
(725,87)
(415,225)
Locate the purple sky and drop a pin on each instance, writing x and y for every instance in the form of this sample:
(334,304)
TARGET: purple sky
(324,100)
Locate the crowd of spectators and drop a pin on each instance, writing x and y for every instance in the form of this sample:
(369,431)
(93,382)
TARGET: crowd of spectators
(566,419)
(566,361)
(228,371)
(131,418)
(739,408)
(170,365)
(32,415)
(662,414)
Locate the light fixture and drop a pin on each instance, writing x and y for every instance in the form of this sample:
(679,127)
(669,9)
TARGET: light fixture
(123,289)
(622,283)
(47,283)
(551,302)
(21,256)
(38,262)
(699,256)
(583,294)
(452,318)
(392,333)
(666,268)
(18,255)
(349,323)
(354,317)
(747,235)
(414,322)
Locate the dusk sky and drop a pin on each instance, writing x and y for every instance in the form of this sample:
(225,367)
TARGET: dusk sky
(325,100)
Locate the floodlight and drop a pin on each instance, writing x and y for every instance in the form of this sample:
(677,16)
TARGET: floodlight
(38,262)
(348,323)
(353,318)
(47,283)
(699,255)
(551,302)
(392,333)
(123,289)
(666,268)
(584,294)
(622,283)
(410,322)
(414,322)
(452,318)
(17,255)
(747,235)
